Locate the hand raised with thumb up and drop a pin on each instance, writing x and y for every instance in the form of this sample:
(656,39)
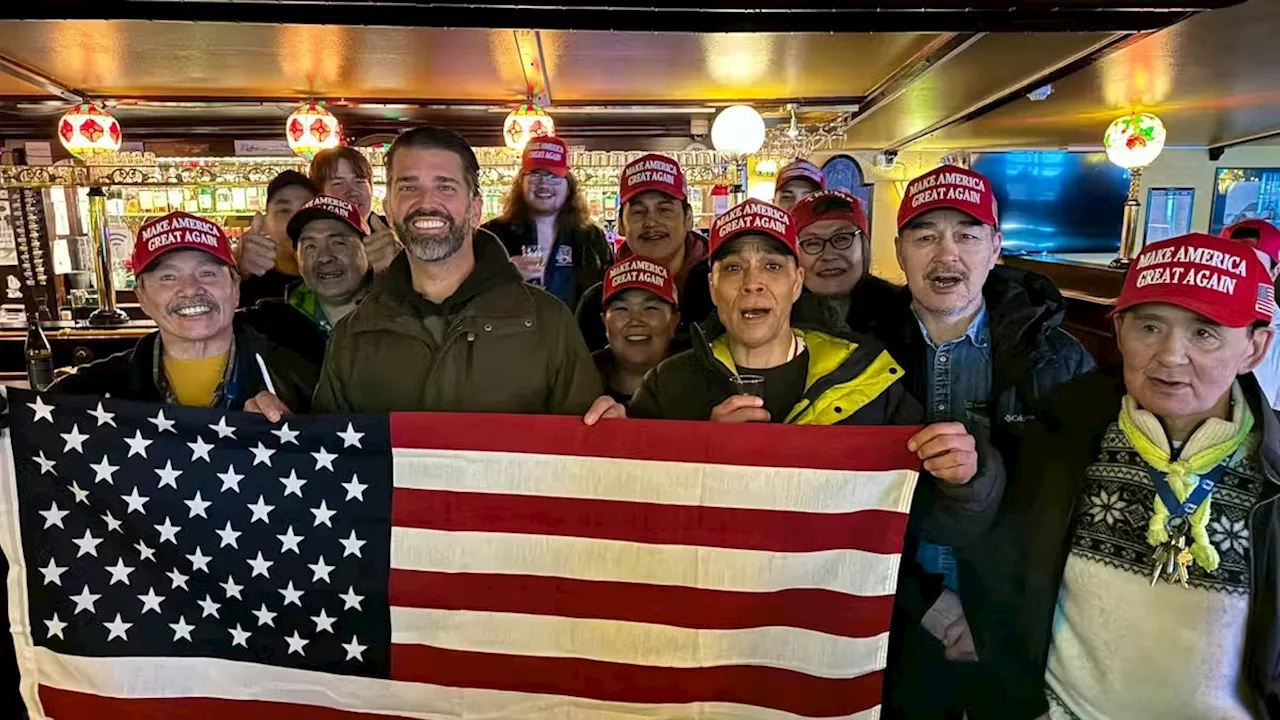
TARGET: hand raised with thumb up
(257,249)
(381,245)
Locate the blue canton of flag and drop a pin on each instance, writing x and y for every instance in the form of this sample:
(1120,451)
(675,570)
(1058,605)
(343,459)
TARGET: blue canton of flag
(183,532)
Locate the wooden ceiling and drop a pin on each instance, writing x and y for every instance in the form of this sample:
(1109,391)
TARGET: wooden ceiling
(958,81)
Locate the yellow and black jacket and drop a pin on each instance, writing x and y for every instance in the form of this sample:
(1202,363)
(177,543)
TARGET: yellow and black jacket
(851,380)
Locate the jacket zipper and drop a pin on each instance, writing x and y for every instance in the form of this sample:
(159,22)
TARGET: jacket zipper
(471,344)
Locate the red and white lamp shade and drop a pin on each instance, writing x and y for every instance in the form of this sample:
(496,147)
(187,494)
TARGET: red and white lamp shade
(88,130)
(310,129)
(525,123)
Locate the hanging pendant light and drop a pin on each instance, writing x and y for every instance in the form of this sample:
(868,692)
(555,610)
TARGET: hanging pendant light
(310,129)
(738,130)
(87,130)
(525,123)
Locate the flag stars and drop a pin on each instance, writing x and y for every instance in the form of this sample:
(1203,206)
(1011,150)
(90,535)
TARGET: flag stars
(103,417)
(286,435)
(324,459)
(138,444)
(239,637)
(43,411)
(113,525)
(162,423)
(292,596)
(53,516)
(74,439)
(118,629)
(296,644)
(323,515)
(178,579)
(289,541)
(199,561)
(265,616)
(82,495)
(321,570)
(262,454)
(88,545)
(208,607)
(54,627)
(352,545)
(52,573)
(355,488)
(323,622)
(151,601)
(85,601)
(197,505)
(355,651)
(104,470)
(261,511)
(350,600)
(135,502)
(230,479)
(293,484)
(200,449)
(181,630)
(168,476)
(230,536)
(119,572)
(168,531)
(261,566)
(144,552)
(223,429)
(232,589)
(351,438)
(46,465)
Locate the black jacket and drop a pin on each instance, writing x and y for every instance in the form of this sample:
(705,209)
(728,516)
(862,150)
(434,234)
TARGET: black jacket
(870,297)
(1027,552)
(1030,352)
(132,374)
(591,252)
(288,327)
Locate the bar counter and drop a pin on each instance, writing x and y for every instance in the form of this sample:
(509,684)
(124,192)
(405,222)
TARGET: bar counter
(72,344)
(1090,288)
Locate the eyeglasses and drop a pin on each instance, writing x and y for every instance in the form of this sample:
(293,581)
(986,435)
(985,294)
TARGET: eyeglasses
(839,241)
(542,177)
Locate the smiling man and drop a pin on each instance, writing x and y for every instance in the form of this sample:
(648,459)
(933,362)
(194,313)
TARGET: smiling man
(1144,532)
(450,326)
(203,354)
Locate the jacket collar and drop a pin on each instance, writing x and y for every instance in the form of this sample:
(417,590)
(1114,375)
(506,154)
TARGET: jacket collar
(493,268)
(1022,306)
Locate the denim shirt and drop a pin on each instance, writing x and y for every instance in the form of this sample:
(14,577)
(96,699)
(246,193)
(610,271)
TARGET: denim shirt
(959,388)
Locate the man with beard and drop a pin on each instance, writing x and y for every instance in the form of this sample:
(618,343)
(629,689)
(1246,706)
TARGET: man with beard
(640,316)
(204,354)
(1136,571)
(835,251)
(981,343)
(545,212)
(266,261)
(451,326)
(657,221)
(342,172)
(796,181)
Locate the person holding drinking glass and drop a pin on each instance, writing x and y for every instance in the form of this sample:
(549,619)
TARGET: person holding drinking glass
(546,228)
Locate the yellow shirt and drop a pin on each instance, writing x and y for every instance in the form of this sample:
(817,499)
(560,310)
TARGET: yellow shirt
(193,382)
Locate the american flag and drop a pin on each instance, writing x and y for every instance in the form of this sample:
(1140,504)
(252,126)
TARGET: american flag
(177,562)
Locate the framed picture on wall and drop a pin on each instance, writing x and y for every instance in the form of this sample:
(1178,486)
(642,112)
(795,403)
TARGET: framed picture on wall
(1168,213)
(1245,194)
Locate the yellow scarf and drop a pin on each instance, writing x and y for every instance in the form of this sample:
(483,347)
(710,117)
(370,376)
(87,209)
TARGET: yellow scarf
(1211,444)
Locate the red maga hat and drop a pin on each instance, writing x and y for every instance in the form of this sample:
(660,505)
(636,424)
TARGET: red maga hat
(326,207)
(652,172)
(806,212)
(178,231)
(1220,279)
(549,153)
(949,187)
(639,273)
(754,216)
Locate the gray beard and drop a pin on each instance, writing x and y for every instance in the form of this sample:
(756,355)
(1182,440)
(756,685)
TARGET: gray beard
(434,248)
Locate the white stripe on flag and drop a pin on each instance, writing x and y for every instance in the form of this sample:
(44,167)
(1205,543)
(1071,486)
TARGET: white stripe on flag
(177,677)
(850,571)
(807,651)
(730,486)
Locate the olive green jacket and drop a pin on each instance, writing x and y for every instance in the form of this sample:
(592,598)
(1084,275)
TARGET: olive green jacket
(496,345)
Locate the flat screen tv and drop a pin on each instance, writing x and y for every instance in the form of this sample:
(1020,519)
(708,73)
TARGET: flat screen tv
(1059,202)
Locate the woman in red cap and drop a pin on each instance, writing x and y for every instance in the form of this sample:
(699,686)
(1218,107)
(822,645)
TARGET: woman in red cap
(546,228)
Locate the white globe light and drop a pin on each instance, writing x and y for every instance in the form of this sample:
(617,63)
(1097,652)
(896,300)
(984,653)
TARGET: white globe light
(738,130)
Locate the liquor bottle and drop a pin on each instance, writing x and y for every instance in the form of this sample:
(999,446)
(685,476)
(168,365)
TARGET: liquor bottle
(206,199)
(39,354)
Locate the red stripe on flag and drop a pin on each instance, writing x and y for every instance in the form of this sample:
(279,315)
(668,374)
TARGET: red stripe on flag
(761,445)
(70,705)
(875,531)
(824,611)
(784,690)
